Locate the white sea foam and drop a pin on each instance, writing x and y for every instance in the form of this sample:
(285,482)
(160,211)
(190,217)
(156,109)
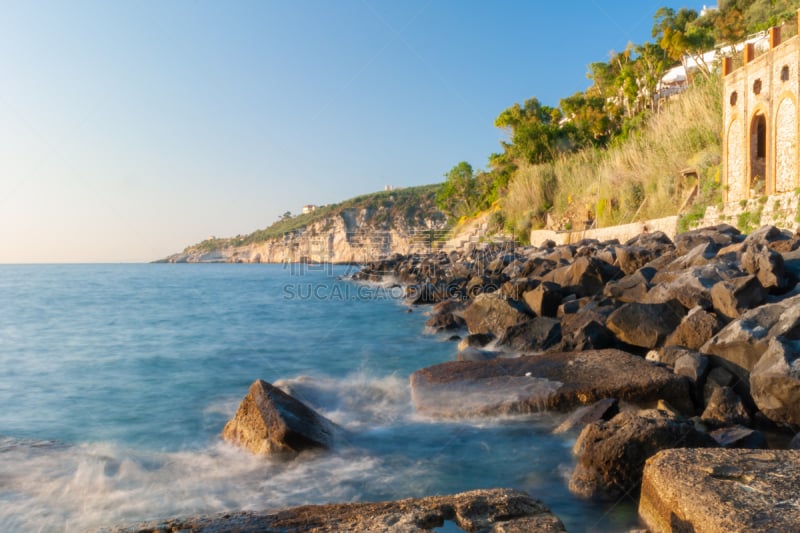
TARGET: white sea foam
(356,401)
(73,488)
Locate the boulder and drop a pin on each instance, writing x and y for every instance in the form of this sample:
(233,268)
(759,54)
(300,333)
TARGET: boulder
(775,382)
(739,437)
(725,408)
(645,325)
(739,345)
(733,297)
(535,335)
(445,322)
(695,329)
(604,409)
(631,288)
(516,288)
(721,235)
(766,265)
(691,287)
(721,491)
(544,299)
(475,354)
(632,258)
(692,365)
(270,421)
(499,510)
(611,454)
(492,313)
(550,381)
(477,340)
(585,276)
(586,330)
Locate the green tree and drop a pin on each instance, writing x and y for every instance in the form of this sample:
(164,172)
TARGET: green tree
(681,36)
(459,195)
(534,131)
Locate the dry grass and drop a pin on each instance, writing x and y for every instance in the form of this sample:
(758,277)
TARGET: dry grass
(636,179)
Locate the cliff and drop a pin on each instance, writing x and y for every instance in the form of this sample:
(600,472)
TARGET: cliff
(360,229)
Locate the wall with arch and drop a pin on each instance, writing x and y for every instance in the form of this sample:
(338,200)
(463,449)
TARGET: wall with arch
(760,121)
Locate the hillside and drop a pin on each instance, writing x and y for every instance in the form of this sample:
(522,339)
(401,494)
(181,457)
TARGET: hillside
(353,230)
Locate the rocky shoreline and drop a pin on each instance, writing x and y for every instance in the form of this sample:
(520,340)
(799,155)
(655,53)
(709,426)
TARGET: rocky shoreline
(678,362)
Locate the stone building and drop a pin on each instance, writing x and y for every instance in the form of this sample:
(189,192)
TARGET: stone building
(760,120)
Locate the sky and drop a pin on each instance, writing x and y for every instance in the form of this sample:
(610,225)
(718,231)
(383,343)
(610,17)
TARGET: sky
(130,130)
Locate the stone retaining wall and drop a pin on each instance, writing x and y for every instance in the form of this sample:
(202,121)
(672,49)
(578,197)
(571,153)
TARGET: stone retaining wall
(624,232)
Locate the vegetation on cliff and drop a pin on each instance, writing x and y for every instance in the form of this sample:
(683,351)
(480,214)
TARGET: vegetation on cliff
(414,207)
(615,152)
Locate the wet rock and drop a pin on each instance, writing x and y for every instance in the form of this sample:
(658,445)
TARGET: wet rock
(645,325)
(445,322)
(475,354)
(477,340)
(725,408)
(739,437)
(721,490)
(499,510)
(604,409)
(611,454)
(535,335)
(733,297)
(270,421)
(775,382)
(491,313)
(695,329)
(544,299)
(550,381)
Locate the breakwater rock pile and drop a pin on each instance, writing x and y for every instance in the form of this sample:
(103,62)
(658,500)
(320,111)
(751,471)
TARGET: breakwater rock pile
(654,344)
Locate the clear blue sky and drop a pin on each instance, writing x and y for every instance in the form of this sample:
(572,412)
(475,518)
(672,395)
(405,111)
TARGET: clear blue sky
(129,130)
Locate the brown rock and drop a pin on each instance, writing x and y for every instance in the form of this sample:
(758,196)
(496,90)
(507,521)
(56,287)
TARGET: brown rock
(645,325)
(550,381)
(492,313)
(611,454)
(535,335)
(695,329)
(497,510)
(544,299)
(270,421)
(733,297)
(775,382)
(721,491)
(725,408)
(604,409)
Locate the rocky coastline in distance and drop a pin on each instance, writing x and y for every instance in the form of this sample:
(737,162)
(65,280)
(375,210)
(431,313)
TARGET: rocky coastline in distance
(677,360)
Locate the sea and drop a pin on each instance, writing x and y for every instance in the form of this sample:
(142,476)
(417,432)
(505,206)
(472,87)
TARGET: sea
(116,381)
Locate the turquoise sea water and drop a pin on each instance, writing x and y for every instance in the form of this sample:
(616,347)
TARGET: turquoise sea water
(116,381)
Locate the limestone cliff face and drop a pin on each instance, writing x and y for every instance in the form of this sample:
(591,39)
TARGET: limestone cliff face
(351,235)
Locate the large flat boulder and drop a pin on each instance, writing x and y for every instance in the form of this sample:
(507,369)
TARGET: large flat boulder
(270,421)
(721,491)
(550,381)
(492,510)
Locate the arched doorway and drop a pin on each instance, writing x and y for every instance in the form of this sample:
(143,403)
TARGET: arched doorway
(758,155)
